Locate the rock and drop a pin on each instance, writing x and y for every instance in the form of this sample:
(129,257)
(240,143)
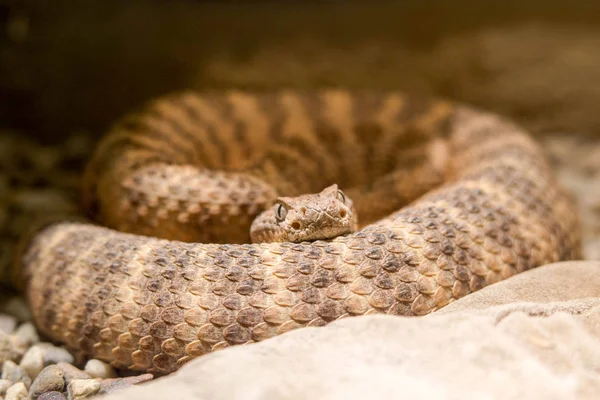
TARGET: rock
(545,349)
(71,372)
(33,361)
(41,355)
(8,323)
(49,380)
(99,369)
(53,354)
(82,388)
(10,348)
(17,307)
(112,385)
(18,391)
(26,335)
(550,283)
(52,396)
(4,384)
(14,373)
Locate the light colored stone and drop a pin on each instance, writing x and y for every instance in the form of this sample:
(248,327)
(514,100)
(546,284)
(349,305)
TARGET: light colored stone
(54,354)
(8,323)
(51,379)
(82,388)
(17,307)
(33,361)
(18,391)
(10,348)
(99,369)
(550,283)
(547,348)
(26,335)
(15,373)
(41,355)
(4,384)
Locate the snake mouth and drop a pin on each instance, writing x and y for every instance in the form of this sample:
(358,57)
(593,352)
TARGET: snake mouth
(323,233)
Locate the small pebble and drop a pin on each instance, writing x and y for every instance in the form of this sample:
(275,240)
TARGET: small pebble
(99,369)
(111,385)
(17,307)
(50,379)
(82,388)
(8,323)
(26,334)
(52,396)
(33,361)
(18,391)
(14,373)
(4,385)
(71,372)
(10,348)
(53,354)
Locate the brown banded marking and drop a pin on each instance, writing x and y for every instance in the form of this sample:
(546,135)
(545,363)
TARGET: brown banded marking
(298,131)
(371,113)
(202,114)
(330,135)
(338,107)
(175,111)
(252,124)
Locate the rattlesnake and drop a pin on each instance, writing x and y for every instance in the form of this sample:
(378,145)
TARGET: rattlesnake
(451,199)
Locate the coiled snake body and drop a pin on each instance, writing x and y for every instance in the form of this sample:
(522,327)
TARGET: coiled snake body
(454,199)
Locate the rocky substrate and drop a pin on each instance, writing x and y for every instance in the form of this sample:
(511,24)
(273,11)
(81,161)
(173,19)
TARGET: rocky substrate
(36,180)
(33,369)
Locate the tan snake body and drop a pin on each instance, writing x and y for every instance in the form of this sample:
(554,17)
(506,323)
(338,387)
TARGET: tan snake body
(470,197)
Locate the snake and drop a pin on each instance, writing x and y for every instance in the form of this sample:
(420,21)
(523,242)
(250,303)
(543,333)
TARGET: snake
(216,219)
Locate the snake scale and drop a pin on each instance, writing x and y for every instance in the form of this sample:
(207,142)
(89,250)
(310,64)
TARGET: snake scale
(450,199)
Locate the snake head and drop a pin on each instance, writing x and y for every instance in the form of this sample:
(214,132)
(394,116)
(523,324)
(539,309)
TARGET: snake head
(304,218)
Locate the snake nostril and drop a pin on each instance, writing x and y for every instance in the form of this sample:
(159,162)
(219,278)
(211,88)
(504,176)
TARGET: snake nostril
(343,213)
(296,225)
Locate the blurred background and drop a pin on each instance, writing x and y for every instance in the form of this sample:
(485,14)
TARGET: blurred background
(69,69)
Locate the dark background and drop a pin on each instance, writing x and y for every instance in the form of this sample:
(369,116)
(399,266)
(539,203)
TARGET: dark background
(76,66)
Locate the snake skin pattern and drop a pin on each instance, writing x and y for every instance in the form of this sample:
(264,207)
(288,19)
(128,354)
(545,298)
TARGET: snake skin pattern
(453,199)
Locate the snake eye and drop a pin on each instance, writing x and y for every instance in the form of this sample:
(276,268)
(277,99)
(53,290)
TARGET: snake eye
(341,196)
(281,212)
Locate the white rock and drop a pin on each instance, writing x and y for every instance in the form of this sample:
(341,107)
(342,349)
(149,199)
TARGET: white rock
(10,349)
(15,373)
(17,307)
(26,335)
(4,385)
(18,391)
(53,354)
(33,361)
(8,323)
(99,369)
(82,388)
